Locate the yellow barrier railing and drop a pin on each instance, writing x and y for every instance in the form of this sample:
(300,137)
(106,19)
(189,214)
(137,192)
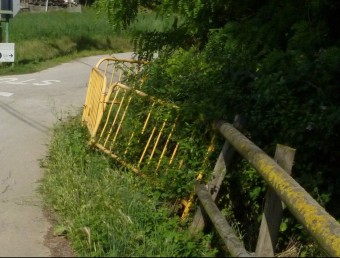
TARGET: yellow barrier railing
(116,128)
(107,72)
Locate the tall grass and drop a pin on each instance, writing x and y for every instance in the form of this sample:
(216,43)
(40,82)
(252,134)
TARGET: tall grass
(106,211)
(57,36)
(52,25)
(44,39)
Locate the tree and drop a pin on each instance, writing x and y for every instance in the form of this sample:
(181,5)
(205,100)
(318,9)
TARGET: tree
(277,62)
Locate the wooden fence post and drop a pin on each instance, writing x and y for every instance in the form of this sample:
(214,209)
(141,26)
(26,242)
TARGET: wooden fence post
(272,213)
(230,239)
(220,170)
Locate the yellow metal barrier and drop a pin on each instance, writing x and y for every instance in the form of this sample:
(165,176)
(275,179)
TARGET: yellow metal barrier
(116,129)
(115,70)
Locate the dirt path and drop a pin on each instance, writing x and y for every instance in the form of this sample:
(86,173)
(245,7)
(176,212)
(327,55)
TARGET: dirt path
(29,106)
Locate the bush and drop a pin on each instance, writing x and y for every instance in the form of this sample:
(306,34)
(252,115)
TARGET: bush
(289,96)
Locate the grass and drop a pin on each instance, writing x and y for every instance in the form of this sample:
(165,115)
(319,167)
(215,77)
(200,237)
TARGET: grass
(43,40)
(105,210)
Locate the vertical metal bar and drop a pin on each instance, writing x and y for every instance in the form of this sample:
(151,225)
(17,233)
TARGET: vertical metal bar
(106,122)
(146,146)
(147,118)
(116,116)
(173,154)
(157,140)
(113,123)
(108,96)
(166,144)
(122,119)
(113,101)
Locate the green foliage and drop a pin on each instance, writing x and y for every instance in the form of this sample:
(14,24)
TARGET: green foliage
(275,63)
(121,13)
(186,154)
(242,200)
(197,19)
(279,68)
(106,211)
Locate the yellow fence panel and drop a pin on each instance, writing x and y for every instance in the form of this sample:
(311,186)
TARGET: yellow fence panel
(108,71)
(126,124)
(120,130)
(94,102)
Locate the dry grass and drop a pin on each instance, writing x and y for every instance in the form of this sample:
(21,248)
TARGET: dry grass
(293,249)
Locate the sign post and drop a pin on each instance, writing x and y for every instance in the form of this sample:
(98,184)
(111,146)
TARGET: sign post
(8,9)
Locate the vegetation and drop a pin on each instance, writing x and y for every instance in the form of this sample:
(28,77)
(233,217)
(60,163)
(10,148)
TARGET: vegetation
(45,39)
(274,63)
(91,212)
(106,211)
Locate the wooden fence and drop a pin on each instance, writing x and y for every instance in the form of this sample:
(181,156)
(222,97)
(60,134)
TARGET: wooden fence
(320,225)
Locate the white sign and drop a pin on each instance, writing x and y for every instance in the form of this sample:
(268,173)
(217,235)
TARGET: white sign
(15,7)
(10,5)
(7,52)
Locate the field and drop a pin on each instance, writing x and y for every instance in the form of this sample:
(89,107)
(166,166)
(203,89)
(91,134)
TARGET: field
(45,39)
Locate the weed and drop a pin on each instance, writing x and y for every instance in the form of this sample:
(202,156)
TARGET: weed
(106,211)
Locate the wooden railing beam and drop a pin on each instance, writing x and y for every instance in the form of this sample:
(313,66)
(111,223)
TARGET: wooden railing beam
(232,242)
(321,226)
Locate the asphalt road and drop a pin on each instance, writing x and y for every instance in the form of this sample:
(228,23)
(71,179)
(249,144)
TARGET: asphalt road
(29,106)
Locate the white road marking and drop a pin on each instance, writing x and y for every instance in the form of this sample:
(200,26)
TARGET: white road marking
(5,94)
(16,81)
(46,82)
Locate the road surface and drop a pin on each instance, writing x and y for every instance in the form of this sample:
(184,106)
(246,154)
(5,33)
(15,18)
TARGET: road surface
(29,106)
